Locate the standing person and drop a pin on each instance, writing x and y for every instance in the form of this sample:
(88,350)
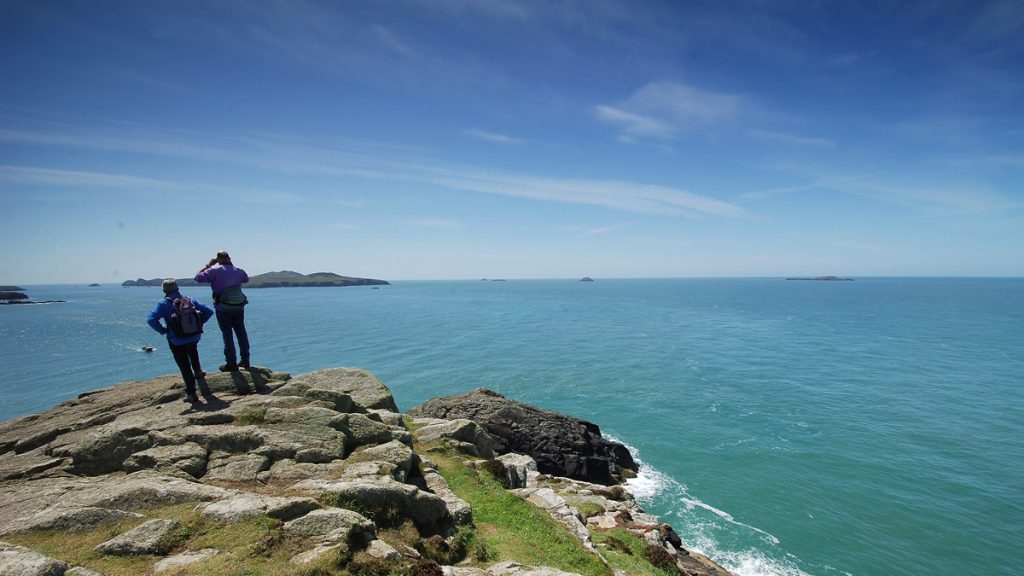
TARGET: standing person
(183,320)
(226,281)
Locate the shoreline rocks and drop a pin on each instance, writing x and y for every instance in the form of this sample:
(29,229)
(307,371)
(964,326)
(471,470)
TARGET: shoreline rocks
(325,458)
(561,445)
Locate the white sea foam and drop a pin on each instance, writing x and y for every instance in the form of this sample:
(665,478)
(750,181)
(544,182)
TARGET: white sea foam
(691,503)
(652,484)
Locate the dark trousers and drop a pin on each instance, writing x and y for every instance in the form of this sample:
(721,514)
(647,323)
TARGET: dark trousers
(232,324)
(186,357)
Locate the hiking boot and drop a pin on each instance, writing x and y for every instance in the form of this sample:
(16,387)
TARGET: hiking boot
(205,390)
(228,368)
(190,398)
(200,375)
(244,364)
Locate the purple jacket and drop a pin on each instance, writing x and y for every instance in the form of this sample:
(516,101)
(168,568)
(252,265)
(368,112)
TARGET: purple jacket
(222,276)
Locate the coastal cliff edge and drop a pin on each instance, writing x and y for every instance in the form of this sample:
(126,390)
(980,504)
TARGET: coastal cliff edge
(318,474)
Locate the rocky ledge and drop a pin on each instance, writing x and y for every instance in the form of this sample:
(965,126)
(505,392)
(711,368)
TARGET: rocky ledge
(321,469)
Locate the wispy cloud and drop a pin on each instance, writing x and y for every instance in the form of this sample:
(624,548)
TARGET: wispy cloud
(503,9)
(435,223)
(348,203)
(635,126)
(344,226)
(860,246)
(794,139)
(492,137)
(998,21)
(32,176)
(664,110)
(1013,160)
(603,230)
(107,181)
(289,157)
(270,197)
(923,197)
(615,195)
(935,198)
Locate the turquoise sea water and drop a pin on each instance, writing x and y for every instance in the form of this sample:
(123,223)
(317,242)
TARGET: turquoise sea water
(872,427)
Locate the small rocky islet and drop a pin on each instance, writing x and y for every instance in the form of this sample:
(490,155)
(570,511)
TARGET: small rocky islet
(325,466)
(17,295)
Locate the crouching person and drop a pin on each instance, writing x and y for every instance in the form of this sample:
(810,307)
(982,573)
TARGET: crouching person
(183,320)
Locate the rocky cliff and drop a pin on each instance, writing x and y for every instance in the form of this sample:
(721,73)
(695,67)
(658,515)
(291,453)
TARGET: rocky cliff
(309,475)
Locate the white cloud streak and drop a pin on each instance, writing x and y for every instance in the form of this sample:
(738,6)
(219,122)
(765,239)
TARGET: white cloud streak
(436,223)
(794,139)
(603,230)
(492,137)
(934,199)
(287,157)
(616,195)
(32,176)
(922,197)
(664,110)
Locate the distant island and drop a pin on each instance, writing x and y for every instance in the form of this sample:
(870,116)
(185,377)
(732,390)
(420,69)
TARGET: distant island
(12,295)
(282,279)
(17,296)
(825,278)
(586,279)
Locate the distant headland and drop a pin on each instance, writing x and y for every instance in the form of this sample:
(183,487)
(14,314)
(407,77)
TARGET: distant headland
(282,279)
(823,278)
(16,295)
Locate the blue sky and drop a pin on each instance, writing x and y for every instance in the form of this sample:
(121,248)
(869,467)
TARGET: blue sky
(450,139)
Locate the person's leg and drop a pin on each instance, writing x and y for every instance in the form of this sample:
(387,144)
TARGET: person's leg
(197,370)
(224,320)
(181,358)
(193,358)
(243,337)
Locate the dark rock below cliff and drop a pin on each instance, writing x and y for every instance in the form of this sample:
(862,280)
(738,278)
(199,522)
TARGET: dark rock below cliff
(561,445)
(13,296)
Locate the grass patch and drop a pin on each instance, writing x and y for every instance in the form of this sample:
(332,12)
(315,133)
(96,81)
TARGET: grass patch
(251,416)
(627,551)
(509,528)
(589,509)
(385,515)
(252,547)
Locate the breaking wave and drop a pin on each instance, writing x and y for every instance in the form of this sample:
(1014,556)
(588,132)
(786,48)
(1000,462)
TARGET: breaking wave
(698,522)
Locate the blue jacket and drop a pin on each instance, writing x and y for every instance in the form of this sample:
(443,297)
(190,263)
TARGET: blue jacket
(163,311)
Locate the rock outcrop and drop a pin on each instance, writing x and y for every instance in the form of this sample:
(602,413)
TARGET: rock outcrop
(324,459)
(561,445)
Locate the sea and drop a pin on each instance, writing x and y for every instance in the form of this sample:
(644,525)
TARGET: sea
(866,427)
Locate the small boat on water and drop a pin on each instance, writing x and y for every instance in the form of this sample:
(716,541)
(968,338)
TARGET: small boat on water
(148,348)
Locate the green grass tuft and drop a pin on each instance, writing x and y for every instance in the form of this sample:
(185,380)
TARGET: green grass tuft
(509,528)
(252,416)
(630,553)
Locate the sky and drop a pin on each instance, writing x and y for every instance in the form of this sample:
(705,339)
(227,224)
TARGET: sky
(467,139)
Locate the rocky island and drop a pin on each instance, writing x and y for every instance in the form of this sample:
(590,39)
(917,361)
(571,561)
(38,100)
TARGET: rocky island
(15,295)
(320,474)
(282,279)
